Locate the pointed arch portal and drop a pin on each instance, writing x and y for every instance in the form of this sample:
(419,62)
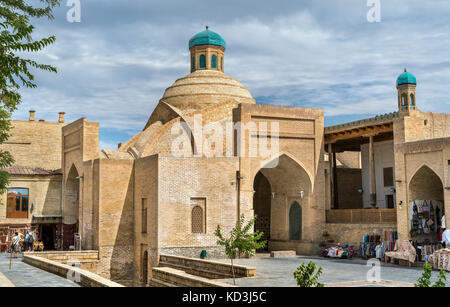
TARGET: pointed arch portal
(71,207)
(280,194)
(426,185)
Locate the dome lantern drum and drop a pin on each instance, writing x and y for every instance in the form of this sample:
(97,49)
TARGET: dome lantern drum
(406,88)
(207,51)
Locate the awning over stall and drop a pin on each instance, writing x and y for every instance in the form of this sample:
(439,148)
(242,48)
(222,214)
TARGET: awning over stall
(46,219)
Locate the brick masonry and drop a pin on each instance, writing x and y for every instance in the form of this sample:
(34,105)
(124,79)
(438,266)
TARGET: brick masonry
(110,195)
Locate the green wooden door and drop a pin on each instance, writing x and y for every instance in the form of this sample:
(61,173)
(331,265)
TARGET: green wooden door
(295,222)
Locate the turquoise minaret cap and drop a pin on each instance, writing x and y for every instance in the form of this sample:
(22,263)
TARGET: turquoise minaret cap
(207,37)
(406,78)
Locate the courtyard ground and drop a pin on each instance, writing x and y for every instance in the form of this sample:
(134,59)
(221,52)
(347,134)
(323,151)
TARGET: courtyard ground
(278,272)
(24,275)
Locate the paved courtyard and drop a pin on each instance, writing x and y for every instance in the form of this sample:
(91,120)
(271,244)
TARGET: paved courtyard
(24,275)
(278,272)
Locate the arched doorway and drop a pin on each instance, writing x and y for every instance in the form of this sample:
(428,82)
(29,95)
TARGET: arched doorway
(426,195)
(71,207)
(295,221)
(426,184)
(275,190)
(145,268)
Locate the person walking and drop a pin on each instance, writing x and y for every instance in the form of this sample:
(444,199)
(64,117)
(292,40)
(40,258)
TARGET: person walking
(27,235)
(30,242)
(15,245)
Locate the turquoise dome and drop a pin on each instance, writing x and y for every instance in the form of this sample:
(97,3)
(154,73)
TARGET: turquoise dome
(207,37)
(406,78)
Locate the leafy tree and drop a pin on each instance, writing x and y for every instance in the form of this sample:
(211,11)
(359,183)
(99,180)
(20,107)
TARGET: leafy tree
(425,282)
(240,240)
(306,275)
(15,71)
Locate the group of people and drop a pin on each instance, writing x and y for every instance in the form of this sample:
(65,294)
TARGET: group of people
(21,243)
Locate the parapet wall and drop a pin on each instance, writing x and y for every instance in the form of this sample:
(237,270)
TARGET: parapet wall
(206,268)
(88,260)
(86,278)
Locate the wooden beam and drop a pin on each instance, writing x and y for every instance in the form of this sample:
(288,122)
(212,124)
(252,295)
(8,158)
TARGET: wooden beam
(360,132)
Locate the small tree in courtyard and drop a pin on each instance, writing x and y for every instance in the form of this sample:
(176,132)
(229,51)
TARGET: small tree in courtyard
(240,240)
(306,275)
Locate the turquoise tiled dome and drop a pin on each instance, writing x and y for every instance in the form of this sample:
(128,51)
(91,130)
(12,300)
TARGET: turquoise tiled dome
(406,78)
(207,37)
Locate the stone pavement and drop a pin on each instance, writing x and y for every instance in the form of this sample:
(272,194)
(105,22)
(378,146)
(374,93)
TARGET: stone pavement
(278,272)
(24,275)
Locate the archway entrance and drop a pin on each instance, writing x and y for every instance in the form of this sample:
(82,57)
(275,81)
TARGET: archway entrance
(280,194)
(426,195)
(71,208)
(48,236)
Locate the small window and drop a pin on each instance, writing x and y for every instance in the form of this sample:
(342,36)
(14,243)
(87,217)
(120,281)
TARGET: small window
(221,63)
(197,220)
(413,103)
(193,64)
(17,203)
(404,100)
(388,176)
(214,61)
(144,215)
(202,62)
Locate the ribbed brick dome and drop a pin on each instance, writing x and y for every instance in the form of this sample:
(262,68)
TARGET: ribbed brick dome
(204,88)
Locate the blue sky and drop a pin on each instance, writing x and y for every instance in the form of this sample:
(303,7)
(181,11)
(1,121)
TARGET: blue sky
(116,63)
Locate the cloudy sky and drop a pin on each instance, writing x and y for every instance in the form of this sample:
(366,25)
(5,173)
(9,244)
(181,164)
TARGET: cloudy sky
(114,66)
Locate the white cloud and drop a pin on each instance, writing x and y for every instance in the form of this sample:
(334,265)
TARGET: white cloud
(116,64)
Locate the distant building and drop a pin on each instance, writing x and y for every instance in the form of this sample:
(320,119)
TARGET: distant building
(33,200)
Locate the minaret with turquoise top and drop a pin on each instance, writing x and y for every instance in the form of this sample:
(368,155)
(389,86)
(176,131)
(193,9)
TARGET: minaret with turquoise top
(406,87)
(207,51)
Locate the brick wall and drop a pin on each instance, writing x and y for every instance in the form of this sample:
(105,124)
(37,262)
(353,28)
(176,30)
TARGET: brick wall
(35,144)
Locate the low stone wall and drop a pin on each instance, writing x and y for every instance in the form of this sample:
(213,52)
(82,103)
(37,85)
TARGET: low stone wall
(353,233)
(88,259)
(283,254)
(194,252)
(300,247)
(87,279)
(169,276)
(206,268)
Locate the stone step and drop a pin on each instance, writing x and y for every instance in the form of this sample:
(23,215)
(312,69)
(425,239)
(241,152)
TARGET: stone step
(220,269)
(155,282)
(283,254)
(183,279)
(196,271)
